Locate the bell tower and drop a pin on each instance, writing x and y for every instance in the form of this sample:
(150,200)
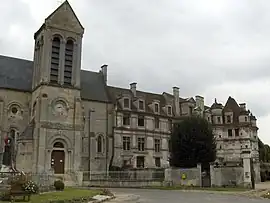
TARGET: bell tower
(56,100)
(58,47)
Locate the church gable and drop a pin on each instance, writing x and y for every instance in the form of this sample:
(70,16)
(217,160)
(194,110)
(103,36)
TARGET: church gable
(65,18)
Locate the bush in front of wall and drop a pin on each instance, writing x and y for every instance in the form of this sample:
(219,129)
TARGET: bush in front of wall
(30,187)
(59,185)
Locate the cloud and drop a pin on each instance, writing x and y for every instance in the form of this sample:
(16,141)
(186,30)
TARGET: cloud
(214,48)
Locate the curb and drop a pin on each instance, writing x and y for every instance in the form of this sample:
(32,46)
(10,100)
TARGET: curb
(104,200)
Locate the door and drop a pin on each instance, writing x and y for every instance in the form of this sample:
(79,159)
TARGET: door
(58,161)
(206,176)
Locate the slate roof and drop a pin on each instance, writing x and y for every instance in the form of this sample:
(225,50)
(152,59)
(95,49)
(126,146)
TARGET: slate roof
(117,92)
(232,106)
(17,74)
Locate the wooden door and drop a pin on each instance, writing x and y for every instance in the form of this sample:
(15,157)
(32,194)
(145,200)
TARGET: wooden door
(58,161)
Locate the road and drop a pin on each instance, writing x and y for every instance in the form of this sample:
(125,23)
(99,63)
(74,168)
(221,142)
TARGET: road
(173,196)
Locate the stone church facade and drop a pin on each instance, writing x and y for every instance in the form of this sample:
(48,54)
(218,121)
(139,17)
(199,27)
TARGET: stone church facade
(62,117)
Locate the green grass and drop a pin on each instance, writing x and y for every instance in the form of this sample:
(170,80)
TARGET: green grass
(68,193)
(221,189)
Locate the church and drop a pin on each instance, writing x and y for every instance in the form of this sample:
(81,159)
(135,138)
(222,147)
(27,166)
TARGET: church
(56,115)
(44,102)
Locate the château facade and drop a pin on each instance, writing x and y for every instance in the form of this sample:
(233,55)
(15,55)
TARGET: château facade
(62,117)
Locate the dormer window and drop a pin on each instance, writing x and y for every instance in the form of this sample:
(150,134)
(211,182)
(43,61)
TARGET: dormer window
(141,105)
(156,108)
(169,110)
(126,103)
(229,119)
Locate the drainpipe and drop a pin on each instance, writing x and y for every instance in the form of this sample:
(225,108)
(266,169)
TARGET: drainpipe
(107,140)
(113,128)
(89,140)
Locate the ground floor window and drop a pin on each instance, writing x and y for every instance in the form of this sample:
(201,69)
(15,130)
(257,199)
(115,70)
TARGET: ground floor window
(140,161)
(157,162)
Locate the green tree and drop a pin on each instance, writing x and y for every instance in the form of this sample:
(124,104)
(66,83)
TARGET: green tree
(192,142)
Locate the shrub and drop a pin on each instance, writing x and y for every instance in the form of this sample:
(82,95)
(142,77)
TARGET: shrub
(30,187)
(59,185)
(106,192)
(5,196)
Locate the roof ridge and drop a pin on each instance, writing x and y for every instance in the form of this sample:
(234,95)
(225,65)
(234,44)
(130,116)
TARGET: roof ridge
(13,57)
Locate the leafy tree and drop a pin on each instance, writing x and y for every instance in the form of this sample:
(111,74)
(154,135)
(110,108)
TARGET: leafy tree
(192,142)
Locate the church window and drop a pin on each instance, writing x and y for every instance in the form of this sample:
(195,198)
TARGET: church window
(12,133)
(14,110)
(55,59)
(99,144)
(68,62)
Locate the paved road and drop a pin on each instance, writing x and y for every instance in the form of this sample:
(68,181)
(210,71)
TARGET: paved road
(169,196)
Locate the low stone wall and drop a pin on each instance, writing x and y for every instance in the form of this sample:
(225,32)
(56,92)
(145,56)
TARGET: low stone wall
(227,176)
(122,183)
(182,176)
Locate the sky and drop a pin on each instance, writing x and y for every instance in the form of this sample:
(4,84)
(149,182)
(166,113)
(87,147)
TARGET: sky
(212,48)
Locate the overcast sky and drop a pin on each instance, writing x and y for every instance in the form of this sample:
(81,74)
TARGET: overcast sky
(214,48)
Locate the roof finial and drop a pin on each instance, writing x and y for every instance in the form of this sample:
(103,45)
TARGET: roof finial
(60,1)
(216,100)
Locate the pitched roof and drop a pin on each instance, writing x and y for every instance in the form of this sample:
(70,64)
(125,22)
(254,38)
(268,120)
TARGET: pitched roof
(117,92)
(65,3)
(17,74)
(231,105)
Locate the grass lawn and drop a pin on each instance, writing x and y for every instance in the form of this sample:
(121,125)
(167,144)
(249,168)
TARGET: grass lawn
(68,193)
(221,189)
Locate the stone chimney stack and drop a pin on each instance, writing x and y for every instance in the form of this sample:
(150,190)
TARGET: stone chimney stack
(243,106)
(200,103)
(133,87)
(104,72)
(176,100)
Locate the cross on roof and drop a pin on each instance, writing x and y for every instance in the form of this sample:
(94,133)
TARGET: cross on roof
(60,1)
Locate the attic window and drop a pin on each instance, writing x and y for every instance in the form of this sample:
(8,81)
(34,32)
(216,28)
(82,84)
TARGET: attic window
(126,103)
(156,108)
(229,119)
(169,110)
(141,105)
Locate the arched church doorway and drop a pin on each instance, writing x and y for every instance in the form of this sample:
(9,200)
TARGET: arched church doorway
(58,158)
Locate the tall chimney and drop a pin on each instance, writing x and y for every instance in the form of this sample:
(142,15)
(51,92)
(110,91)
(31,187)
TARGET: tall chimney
(200,102)
(104,72)
(176,100)
(133,87)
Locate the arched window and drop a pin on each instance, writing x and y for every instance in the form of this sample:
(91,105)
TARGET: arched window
(12,133)
(58,145)
(99,144)
(55,59)
(68,62)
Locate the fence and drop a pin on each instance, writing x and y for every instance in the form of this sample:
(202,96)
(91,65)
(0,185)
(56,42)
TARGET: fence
(128,178)
(129,175)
